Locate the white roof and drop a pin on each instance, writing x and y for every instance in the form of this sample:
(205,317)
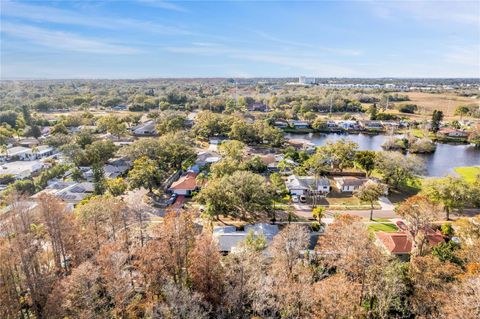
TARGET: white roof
(17,150)
(20,167)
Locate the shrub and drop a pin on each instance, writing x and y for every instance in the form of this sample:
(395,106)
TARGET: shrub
(408,108)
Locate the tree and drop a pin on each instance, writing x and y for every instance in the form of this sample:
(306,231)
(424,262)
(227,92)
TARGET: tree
(61,232)
(318,213)
(232,149)
(113,125)
(419,213)
(291,275)
(116,186)
(474,135)
(100,151)
(98,179)
(366,161)
(430,281)
(397,168)
(373,110)
(206,270)
(144,173)
(83,294)
(240,194)
(334,298)
(370,192)
(168,122)
(339,154)
(451,192)
(437,118)
(167,258)
(175,151)
(462,110)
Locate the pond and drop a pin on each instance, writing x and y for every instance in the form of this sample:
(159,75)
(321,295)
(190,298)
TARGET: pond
(440,163)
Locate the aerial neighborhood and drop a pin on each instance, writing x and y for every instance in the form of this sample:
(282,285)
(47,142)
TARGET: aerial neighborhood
(313,180)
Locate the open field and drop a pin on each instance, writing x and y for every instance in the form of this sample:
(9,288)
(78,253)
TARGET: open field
(445,102)
(469,173)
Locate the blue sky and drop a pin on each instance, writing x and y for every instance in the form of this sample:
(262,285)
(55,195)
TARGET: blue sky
(149,38)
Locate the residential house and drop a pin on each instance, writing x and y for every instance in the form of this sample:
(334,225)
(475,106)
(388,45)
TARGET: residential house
(451,132)
(307,185)
(70,192)
(185,185)
(116,167)
(349,184)
(207,157)
(372,125)
(280,124)
(28,142)
(120,108)
(300,143)
(296,124)
(18,153)
(258,107)
(349,125)
(21,169)
(27,154)
(229,238)
(145,129)
(43,151)
(400,244)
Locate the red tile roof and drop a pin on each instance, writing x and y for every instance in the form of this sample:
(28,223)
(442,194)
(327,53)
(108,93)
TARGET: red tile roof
(399,243)
(188,182)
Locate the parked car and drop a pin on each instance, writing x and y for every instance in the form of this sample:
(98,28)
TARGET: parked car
(295,198)
(172,199)
(303,199)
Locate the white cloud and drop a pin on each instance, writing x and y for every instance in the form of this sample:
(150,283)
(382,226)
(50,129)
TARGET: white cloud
(36,13)
(63,40)
(459,12)
(163,5)
(341,51)
(309,63)
(469,56)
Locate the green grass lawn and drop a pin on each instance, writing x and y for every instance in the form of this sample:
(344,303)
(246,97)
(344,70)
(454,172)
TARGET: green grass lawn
(469,173)
(386,227)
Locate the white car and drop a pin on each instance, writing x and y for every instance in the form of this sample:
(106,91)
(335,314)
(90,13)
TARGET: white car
(295,199)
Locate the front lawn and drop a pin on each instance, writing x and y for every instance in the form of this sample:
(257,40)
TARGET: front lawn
(385,227)
(469,173)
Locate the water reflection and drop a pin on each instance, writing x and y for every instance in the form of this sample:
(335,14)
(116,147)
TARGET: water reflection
(440,163)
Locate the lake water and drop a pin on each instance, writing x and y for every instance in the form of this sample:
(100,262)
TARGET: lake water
(440,163)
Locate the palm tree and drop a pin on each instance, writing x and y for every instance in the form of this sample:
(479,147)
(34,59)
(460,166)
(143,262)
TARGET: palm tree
(4,150)
(35,151)
(318,213)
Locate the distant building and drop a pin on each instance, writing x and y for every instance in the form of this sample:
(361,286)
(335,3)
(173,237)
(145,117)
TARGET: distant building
(306,80)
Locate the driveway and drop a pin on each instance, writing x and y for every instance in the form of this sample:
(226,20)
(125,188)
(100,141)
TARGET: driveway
(386,204)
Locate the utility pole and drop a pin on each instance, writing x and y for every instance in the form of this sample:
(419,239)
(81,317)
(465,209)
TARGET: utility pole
(236,96)
(331,104)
